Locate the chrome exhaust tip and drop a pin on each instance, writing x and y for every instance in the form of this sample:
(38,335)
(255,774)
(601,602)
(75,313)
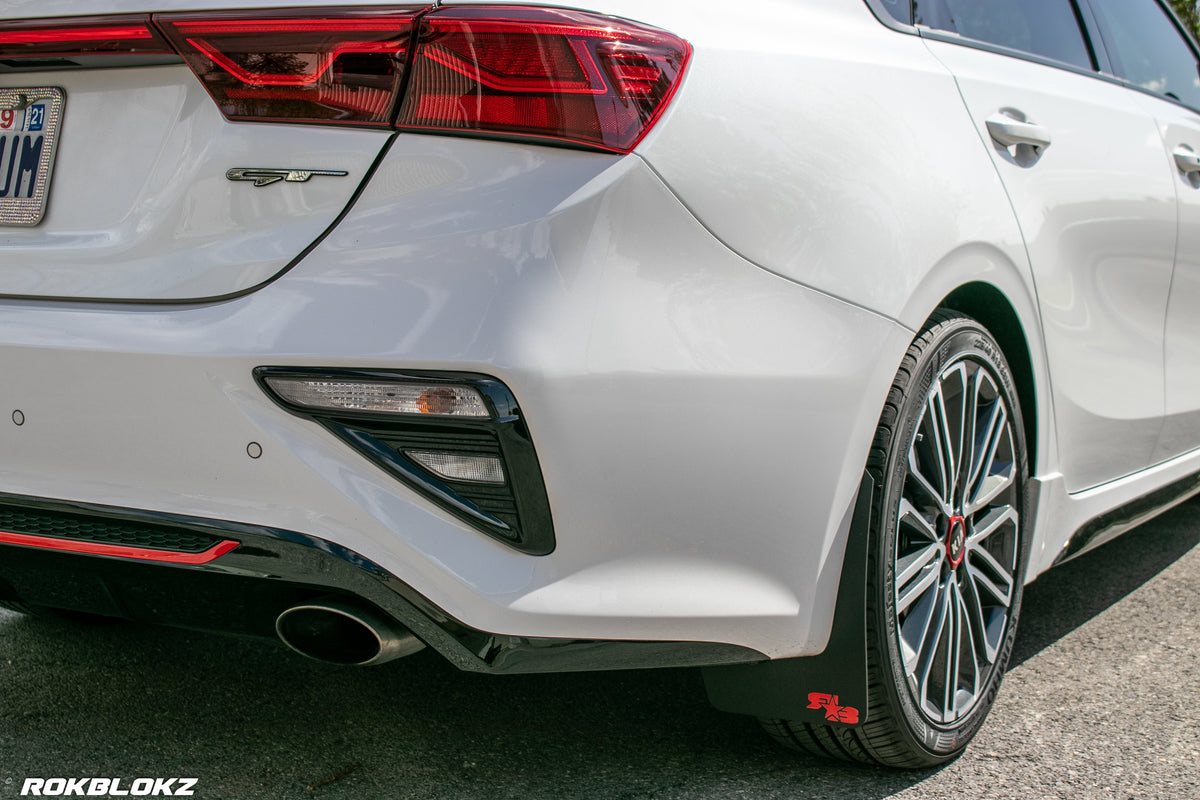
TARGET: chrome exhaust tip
(337,632)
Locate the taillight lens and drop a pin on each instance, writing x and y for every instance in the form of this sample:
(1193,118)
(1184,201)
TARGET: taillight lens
(515,72)
(538,73)
(89,36)
(338,66)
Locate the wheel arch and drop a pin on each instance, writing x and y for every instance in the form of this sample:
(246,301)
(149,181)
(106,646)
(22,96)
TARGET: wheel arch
(990,307)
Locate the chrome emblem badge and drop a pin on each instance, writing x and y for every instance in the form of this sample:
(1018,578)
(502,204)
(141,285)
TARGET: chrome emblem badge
(265,177)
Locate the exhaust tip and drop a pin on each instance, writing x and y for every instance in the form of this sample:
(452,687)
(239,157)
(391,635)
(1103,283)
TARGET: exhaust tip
(340,633)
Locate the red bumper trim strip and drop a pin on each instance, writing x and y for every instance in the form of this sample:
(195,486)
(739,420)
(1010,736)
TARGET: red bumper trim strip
(98,549)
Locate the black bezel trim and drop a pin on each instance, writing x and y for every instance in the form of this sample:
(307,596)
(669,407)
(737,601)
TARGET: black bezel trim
(533,535)
(285,563)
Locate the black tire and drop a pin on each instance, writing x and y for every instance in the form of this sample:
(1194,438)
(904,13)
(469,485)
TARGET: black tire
(960,563)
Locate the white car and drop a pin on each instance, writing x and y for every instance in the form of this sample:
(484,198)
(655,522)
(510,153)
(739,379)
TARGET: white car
(788,340)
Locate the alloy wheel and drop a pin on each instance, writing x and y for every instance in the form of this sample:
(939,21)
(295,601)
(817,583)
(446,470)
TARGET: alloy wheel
(956,542)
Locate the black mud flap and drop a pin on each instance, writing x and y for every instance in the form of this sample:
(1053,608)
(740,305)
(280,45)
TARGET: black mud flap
(822,689)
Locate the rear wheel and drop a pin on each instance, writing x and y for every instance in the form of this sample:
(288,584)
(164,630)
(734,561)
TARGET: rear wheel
(947,553)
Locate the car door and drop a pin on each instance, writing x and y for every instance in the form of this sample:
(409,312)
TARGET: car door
(1149,50)
(1082,162)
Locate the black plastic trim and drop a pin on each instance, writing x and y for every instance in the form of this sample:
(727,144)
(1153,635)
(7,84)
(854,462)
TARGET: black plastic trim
(27,518)
(244,591)
(21,66)
(936,35)
(1091,29)
(1111,524)
(380,436)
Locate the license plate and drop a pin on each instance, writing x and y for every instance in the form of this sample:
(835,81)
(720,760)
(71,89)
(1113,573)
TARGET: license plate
(29,124)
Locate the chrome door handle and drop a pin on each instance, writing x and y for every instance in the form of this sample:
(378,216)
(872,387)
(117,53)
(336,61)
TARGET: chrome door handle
(1008,132)
(1186,159)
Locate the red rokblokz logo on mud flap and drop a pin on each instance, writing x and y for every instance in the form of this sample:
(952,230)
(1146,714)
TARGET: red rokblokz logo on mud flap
(108,787)
(834,711)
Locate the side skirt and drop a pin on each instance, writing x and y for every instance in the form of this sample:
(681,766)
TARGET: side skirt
(1108,526)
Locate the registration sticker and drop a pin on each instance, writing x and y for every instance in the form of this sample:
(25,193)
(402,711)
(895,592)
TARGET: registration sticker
(29,124)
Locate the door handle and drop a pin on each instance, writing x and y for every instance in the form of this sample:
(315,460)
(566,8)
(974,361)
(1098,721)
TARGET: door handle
(1186,159)
(1008,131)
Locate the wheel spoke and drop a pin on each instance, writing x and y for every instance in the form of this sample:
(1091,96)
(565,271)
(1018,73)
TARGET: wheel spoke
(991,478)
(990,487)
(951,408)
(953,651)
(999,585)
(920,485)
(995,519)
(987,423)
(967,441)
(931,643)
(976,634)
(945,441)
(915,574)
(915,520)
(986,638)
(914,629)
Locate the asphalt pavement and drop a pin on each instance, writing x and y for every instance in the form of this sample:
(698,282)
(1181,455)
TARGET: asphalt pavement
(1102,701)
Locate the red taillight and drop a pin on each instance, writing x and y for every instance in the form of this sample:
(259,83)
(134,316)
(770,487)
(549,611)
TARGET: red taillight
(322,67)
(515,72)
(546,74)
(81,37)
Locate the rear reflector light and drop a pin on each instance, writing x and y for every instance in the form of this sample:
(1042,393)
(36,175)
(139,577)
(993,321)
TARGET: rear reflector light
(399,397)
(515,72)
(336,67)
(460,467)
(541,73)
(81,37)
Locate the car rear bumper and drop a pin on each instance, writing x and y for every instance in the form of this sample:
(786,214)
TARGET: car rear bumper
(654,366)
(240,578)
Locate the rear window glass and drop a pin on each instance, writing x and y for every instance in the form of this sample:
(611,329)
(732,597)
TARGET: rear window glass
(1147,49)
(1046,28)
(900,9)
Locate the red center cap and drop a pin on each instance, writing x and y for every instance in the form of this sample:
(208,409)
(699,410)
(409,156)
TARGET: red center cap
(956,540)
